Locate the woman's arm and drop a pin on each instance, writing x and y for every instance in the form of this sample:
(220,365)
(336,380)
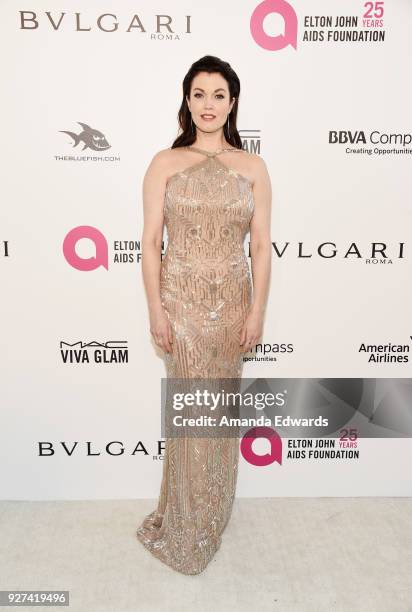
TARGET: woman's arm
(154,185)
(261,252)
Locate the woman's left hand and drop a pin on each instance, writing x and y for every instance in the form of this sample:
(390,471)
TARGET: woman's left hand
(252,330)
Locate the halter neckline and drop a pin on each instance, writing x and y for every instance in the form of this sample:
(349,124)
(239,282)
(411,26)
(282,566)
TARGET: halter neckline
(211,153)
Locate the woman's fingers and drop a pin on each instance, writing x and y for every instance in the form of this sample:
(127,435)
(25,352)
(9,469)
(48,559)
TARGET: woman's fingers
(249,342)
(170,334)
(164,340)
(167,343)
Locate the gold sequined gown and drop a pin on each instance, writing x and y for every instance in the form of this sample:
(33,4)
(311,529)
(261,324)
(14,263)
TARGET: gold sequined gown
(206,290)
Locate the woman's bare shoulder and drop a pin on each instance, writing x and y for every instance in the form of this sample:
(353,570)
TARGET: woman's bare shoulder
(258,166)
(255,159)
(165,161)
(252,165)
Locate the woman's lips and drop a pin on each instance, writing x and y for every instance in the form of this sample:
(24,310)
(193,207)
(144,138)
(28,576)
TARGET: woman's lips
(208,117)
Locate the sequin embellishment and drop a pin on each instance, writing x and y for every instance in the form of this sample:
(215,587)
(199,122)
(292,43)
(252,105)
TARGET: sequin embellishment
(206,291)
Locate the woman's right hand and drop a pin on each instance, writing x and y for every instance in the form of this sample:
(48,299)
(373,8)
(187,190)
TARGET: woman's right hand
(161,329)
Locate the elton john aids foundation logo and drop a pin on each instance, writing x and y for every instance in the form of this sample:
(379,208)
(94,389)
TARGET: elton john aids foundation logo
(272,437)
(266,41)
(86,264)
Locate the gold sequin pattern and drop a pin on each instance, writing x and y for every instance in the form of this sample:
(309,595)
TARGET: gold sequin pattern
(206,291)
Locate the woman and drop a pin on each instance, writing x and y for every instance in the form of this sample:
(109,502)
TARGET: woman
(209,192)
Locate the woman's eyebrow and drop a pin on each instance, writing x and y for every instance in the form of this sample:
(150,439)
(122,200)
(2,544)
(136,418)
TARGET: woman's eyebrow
(219,89)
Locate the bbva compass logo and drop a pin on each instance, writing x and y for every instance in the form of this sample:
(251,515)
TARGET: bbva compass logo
(266,41)
(90,137)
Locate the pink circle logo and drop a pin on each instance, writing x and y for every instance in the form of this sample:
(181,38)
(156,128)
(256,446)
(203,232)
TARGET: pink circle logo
(272,436)
(100,243)
(274,43)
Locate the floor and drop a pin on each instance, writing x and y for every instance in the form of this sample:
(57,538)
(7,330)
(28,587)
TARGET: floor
(280,554)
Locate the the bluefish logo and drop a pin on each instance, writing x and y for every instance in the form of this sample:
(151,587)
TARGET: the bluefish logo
(274,43)
(273,438)
(92,139)
(91,263)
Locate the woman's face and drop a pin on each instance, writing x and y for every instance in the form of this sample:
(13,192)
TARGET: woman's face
(209,95)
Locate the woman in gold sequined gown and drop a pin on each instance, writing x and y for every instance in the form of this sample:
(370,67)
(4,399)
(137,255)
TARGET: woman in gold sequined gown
(203,312)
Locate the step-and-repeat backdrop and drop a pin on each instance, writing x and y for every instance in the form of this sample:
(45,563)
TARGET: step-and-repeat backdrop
(90,94)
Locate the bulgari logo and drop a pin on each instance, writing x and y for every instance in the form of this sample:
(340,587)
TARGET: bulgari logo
(4,246)
(375,252)
(114,448)
(160,26)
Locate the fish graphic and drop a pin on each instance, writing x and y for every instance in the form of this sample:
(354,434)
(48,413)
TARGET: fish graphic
(92,139)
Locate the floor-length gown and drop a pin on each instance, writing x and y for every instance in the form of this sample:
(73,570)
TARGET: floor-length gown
(206,290)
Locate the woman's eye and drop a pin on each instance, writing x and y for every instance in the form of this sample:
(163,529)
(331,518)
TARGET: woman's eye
(218,95)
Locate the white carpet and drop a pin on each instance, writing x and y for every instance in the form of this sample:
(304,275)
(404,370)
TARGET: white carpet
(293,554)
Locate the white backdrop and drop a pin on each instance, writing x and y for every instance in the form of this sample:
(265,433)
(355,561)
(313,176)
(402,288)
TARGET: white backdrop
(125,85)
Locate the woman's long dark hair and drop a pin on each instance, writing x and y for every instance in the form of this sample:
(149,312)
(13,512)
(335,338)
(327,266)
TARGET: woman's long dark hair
(209,63)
